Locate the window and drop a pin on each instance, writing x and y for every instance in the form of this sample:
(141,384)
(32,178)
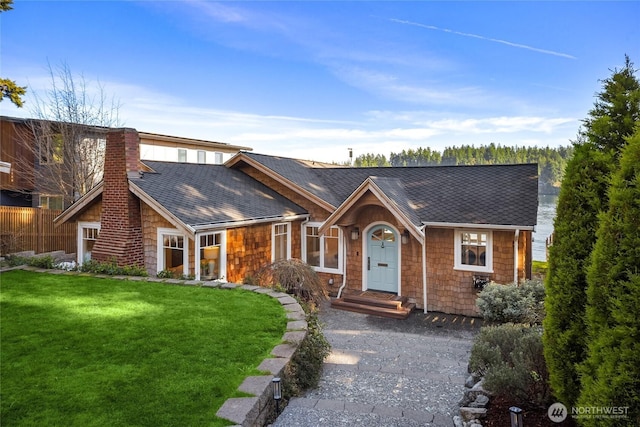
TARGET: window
(172,252)
(281,246)
(202,157)
(473,250)
(211,256)
(51,149)
(322,252)
(51,202)
(219,159)
(88,234)
(182,155)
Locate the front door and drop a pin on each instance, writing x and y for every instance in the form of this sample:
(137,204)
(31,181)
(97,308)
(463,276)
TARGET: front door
(382,259)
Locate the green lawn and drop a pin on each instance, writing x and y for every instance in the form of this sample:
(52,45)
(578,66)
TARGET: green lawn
(81,351)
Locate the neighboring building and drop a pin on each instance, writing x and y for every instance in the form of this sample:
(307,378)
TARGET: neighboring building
(423,233)
(30,162)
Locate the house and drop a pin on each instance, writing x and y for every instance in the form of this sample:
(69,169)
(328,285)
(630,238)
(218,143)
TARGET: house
(426,234)
(38,160)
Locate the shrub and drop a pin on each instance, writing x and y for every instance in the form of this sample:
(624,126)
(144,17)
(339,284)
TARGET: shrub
(44,261)
(111,268)
(304,370)
(296,277)
(522,303)
(510,357)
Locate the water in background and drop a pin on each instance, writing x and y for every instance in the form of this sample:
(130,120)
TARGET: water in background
(546,214)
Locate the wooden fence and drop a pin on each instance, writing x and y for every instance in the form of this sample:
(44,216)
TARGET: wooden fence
(32,229)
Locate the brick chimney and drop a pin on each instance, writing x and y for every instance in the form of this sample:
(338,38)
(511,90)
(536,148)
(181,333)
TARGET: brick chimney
(120,237)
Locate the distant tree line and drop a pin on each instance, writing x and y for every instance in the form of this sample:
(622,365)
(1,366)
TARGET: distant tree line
(551,161)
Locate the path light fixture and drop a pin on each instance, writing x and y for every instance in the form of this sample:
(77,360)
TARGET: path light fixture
(277,393)
(515,414)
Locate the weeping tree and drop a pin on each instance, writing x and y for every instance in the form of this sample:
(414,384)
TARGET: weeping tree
(67,135)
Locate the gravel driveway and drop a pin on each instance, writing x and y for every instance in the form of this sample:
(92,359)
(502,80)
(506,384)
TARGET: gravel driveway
(386,372)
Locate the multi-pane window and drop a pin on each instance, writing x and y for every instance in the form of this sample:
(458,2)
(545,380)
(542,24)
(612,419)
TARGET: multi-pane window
(89,237)
(322,251)
(210,256)
(51,202)
(173,251)
(473,250)
(281,247)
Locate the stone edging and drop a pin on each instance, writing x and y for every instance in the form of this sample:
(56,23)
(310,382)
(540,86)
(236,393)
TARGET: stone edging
(244,411)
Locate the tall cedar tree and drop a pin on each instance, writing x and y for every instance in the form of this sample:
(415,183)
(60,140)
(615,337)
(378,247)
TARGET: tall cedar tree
(582,195)
(611,372)
(582,198)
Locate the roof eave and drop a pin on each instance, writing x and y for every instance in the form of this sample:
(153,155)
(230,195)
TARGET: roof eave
(79,205)
(370,185)
(477,226)
(165,213)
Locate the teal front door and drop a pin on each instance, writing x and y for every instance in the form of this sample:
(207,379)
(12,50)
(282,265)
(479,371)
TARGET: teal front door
(382,259)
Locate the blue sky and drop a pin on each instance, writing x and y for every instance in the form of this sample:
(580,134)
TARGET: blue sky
(312,79)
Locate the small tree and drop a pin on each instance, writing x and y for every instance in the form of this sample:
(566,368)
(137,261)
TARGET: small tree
(611,372)
(67,136)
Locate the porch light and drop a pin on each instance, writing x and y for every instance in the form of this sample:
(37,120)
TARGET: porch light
(515,414)
(405,237)
(355,233)
(277,393)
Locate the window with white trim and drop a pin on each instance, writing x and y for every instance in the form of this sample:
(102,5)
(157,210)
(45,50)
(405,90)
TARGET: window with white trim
(322,251)
(211,256)
(88,234)
(281,241)
(172,251)
(473,250)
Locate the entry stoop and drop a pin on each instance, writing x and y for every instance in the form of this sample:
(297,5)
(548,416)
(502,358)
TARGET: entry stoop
(376,304)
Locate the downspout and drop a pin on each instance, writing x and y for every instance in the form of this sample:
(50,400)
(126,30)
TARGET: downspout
(515,256)
(344,265)
(424,267)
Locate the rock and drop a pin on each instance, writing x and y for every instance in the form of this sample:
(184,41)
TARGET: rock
(457,421)
(469,414)
(470,382)
(475,424)
(481,401)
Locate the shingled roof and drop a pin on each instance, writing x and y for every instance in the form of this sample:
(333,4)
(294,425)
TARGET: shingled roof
(482,194)
(199,194)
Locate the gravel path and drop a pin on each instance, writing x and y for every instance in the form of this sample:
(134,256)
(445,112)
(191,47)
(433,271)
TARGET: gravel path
(386,372)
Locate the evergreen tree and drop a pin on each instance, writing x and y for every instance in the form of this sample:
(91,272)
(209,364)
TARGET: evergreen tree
(581,198)
(616,110)
(583,195)
(611,372)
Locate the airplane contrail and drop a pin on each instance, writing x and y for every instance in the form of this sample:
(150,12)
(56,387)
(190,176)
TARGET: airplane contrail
(476,36)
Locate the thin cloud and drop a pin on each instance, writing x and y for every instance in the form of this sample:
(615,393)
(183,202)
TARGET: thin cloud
(476,36)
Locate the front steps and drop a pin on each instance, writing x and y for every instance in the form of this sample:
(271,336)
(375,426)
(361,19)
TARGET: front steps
(376,304)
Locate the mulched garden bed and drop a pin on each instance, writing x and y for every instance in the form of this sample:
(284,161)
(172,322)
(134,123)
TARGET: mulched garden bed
(498,415)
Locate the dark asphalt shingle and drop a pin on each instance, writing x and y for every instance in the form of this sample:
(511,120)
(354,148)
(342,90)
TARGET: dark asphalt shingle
(200,194)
